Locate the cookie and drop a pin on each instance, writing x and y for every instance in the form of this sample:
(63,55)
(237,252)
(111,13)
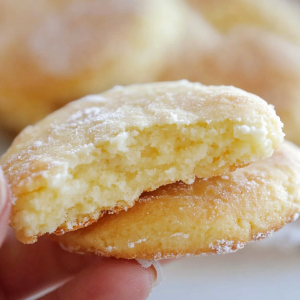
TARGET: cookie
(281,17)
(256,61)
(53,52)
(218,215)
(101,152)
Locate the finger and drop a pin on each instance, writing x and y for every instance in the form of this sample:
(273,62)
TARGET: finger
(4,207)
(108,279)
(28,269)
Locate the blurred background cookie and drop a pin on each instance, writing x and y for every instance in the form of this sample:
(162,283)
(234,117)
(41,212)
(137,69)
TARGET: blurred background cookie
(256,61)
(281,17)
(53,52)
(249,48)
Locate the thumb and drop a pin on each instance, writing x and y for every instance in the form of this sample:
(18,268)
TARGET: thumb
(4,206)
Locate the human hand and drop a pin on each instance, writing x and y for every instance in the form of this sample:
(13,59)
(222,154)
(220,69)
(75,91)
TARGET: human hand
(28,269)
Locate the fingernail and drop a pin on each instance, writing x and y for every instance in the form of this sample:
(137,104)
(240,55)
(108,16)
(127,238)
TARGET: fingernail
(159,273)
(3,191)
(152,271)
(155,270)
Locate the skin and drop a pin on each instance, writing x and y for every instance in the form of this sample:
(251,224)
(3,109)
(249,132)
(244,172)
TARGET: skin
(28,269)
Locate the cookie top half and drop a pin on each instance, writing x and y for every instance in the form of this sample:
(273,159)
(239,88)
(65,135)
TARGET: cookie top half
(100,153)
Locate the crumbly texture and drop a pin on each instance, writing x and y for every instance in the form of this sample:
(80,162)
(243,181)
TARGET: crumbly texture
(281,17)
(101,152)
(218,215)
(53,52)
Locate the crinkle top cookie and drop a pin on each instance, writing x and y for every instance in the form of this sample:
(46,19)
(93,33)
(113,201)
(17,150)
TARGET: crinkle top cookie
(100,153)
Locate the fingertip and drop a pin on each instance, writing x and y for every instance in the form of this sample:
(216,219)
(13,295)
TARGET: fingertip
(132,281)
(109,279)
(152,271)
(155,270)
(68,262)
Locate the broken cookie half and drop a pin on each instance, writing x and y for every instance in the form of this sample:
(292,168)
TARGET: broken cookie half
(100,153)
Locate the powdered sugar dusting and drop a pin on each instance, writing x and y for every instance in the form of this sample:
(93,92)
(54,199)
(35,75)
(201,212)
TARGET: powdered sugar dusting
(158,256)
(224,247)
(264,235)
(110,248)
(180,234)
(295,217)
(132,244)
(145,263)
(37,144)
